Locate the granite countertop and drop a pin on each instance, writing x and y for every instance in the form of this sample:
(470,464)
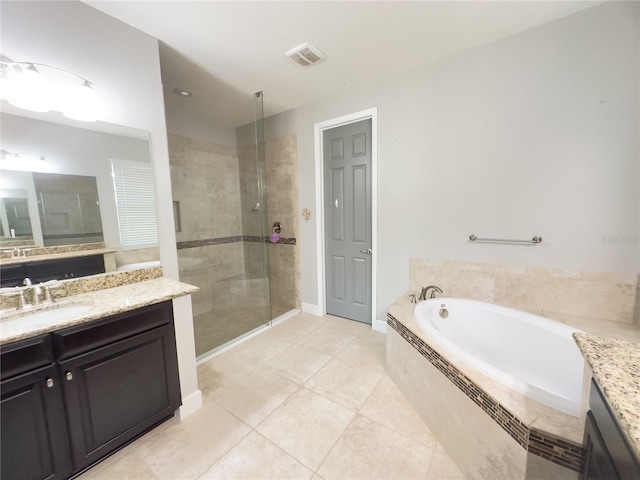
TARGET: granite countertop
(85,307)
(55,256)
(616,368)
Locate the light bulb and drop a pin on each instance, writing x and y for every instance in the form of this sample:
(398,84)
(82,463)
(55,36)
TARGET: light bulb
(82,103)
(27,162)
(29,89)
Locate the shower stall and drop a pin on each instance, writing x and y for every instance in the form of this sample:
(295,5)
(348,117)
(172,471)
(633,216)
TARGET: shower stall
(220,207)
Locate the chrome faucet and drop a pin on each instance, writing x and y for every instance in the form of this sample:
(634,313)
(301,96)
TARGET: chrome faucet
(37,291)
(425,290)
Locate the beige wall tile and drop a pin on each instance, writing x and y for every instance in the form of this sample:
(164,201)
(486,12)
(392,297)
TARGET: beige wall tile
(594,298)
(387,405)
(442,467)
(605,295)
(127,257)
(478,446)
(540,469)
(519,291)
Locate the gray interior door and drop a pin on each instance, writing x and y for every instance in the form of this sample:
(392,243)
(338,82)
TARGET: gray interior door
(347,179)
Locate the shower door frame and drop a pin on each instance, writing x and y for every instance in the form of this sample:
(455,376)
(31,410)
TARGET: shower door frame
(319,128)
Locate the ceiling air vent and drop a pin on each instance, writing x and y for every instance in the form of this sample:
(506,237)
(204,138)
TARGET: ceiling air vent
(305,55)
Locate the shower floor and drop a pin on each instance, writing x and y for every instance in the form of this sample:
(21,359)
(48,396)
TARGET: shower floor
(227,308)
(217,327)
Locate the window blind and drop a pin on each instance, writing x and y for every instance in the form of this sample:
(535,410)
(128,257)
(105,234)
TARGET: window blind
(135,201)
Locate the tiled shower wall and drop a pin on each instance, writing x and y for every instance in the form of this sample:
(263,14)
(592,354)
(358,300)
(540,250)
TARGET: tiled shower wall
(587,298)
(205,181)
(282,206)
(220,237)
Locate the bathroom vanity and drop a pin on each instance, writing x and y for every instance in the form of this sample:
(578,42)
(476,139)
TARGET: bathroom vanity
(76,389)
(41,264)
(612,426)
(13,274)
(608,453)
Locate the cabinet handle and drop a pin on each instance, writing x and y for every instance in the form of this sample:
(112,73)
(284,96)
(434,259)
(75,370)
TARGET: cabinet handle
(49,382)
(68,376)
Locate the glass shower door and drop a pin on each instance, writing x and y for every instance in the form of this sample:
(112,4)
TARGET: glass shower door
(221,202)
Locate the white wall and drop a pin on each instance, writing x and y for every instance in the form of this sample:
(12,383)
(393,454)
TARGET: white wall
(188,126)
(123,64)
(534,134)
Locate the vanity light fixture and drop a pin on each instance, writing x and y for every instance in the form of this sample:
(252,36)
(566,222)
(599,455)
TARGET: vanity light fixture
(42,88)
(22,161)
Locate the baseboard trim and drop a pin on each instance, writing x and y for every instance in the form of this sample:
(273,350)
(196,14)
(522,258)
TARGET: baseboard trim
(190,404)
(312,309)
(285,316)
(380,326)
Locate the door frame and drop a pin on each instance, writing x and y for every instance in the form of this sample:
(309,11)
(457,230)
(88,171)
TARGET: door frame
(319,128)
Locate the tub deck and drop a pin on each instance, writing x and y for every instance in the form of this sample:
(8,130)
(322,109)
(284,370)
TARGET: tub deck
(539,430)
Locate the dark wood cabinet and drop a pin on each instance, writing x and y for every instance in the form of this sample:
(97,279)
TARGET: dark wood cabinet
(117,392)
(74,396)
(45,270)
(34,434)
(608,453)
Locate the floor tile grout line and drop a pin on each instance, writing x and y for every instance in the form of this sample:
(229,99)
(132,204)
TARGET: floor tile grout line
(227,451)
(433,455)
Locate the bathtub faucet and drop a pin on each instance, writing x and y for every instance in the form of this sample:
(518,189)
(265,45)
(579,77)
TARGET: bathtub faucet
(425,290)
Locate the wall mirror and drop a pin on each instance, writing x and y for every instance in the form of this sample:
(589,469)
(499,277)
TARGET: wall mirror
(62,192)
(15,222)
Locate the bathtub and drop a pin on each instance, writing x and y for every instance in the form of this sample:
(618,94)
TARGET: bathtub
(137,266)
(528,353)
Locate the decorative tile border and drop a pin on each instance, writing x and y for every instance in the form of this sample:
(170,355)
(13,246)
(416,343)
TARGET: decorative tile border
(534,441)
(234,239)
(208,241)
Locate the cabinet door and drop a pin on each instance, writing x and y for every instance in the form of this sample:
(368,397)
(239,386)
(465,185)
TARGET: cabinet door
(34,435)
(117,392)
(598,463)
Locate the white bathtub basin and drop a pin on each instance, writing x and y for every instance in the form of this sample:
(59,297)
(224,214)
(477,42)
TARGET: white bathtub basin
(533,355)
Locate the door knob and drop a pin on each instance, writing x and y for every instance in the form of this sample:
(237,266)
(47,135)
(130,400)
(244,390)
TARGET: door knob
(368,251)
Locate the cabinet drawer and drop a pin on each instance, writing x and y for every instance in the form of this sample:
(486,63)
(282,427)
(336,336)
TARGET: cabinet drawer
(24,355)
(82,338)
(65,268)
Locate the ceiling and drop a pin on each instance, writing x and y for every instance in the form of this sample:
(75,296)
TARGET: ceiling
(223,51)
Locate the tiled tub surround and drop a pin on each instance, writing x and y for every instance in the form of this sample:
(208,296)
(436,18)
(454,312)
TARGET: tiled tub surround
(607,304)
(104,295)
(490,431)
(615,365)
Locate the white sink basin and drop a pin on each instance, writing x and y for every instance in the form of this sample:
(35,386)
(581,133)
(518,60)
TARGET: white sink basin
(42,318)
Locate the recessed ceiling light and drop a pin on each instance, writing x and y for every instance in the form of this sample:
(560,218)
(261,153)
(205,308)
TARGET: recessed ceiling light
(183,92)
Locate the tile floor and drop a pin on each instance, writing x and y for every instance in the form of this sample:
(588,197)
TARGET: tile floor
(307,399)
